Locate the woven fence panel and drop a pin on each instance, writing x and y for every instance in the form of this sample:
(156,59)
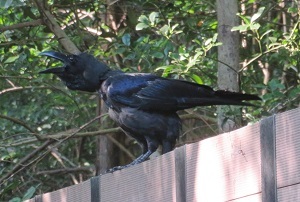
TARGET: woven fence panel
(288,148)
(224,167)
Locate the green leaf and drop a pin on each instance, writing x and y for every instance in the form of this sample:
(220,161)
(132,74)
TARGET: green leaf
(119,50)
(164,30)
(141,26)
(11,59)
(241,28)
(197,79)
(254,26)
(143,19)
(292,10)
(126,39)
(153,16)
(294,92)
(29,193)
(258,14)
(158,55)
(207,42)
(15,199)
(272,39)
(244,18)
(267,32)
(275,84)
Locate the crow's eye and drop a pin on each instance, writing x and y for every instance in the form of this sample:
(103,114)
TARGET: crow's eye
(71,58)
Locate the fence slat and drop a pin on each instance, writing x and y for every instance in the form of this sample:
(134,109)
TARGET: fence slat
(95,189)
(180,174)
(268,159)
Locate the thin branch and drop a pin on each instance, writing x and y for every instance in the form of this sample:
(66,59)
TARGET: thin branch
(22,25)
(204,120)
(24,88)
(57,156)
(15,77)
(22,42)
(18,88)
(50,22)
(18,121)
(62,135)
(121,147)
(65,134)
(66,170)
(21,164)
(192,115)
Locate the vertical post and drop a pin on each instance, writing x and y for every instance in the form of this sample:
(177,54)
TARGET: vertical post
(180,174)
(95,188)
(228,57)
(268,159)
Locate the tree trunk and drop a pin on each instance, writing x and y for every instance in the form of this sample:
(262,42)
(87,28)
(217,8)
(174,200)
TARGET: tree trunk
(108,154)
(105,147)
(228,57)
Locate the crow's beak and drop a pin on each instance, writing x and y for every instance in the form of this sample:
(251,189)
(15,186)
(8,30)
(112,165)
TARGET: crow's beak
(55,70)
(55,55)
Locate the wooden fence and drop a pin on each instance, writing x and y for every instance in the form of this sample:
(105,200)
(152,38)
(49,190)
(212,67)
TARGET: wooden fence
(259,162)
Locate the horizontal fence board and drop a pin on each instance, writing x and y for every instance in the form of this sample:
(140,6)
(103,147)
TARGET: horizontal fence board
(150,181)
(224,167)
(57,196)
(75,193)
(79,192)
(251,198)
(288,147)
(289,194)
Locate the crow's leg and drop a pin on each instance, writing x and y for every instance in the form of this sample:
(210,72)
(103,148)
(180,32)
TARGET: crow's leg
(167,146)
(152,147)
(138,160)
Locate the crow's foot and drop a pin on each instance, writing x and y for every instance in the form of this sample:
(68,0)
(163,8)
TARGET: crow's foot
(111,170)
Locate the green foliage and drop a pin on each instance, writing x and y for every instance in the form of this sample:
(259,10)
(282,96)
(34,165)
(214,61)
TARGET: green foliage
(28,194)
(175,39)
(278,49)
(164,48)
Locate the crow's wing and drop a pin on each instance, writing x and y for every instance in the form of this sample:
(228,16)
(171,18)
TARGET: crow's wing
(149,92)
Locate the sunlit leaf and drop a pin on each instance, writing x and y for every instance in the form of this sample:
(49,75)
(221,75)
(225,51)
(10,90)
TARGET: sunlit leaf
(153,16)
(164,30)
(143,19)
(254,26)
(258,14)
(240,28)
(141,26)
(11,59)
(197,79)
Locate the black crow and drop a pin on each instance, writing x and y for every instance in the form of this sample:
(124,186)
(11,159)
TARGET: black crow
(143,105)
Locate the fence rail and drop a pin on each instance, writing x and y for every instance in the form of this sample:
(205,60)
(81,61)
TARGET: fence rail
(259,162)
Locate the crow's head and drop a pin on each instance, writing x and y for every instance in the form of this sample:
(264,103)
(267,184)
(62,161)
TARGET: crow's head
(79,72)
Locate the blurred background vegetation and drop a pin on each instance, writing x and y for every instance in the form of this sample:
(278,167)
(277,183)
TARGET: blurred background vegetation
(48,137)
